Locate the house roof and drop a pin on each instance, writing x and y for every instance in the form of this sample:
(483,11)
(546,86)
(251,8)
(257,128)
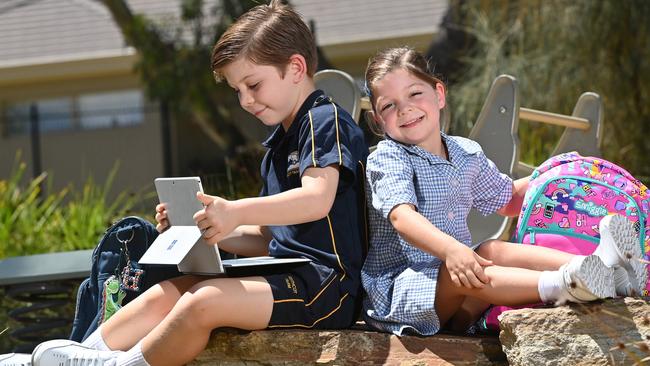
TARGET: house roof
(45,31)
(345,21)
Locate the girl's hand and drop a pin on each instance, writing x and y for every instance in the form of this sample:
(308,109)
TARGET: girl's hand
(161,217)
(217,219)
(465,266)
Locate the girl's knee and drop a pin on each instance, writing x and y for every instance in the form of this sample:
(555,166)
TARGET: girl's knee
(487,248)
(491,249)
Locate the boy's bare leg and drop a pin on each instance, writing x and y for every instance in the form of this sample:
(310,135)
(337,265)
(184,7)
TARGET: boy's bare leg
(508,286)
(523,256)
(136,319)
(244,303)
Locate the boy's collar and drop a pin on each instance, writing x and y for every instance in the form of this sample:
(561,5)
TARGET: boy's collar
(314,99)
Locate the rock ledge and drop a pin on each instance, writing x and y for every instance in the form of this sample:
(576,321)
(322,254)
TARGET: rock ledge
(346,347)
(615,331)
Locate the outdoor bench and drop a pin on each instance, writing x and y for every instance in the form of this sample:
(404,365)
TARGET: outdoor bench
(44,285)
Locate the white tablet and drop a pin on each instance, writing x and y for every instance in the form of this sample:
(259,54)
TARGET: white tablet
(179,194)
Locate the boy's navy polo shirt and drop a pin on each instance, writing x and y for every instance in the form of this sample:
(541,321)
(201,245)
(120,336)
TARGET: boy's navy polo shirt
(329,137)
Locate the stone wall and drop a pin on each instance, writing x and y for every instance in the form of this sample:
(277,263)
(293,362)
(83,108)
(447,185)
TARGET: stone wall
(347,347)
(612,332)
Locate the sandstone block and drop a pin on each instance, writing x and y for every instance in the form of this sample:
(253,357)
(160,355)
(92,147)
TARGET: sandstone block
(615,331)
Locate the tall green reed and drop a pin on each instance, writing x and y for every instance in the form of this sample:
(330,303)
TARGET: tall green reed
(35,219)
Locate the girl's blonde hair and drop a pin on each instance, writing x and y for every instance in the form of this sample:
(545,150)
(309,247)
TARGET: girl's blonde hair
(390,59)
(266,35)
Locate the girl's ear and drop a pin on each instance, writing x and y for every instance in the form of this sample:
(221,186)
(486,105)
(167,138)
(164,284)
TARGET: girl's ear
(374,122)
(296,68)
(373,116)
(440,91)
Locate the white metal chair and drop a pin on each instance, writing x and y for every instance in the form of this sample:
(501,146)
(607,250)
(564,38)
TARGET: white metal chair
(496,131)
(342,88)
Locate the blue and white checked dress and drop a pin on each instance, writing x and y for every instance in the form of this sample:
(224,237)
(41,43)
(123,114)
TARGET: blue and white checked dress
(399,279)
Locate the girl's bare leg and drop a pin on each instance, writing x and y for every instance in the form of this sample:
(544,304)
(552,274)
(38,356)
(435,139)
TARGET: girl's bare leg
(244,303)
(507,286)
(523,256)
(468,313)
(507,255)
(136,319)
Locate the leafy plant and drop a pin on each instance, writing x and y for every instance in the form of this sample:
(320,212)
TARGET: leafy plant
(84,218)
(35,220)
(25,216)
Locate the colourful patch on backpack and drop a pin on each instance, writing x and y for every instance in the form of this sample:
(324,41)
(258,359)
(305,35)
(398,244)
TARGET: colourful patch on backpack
(567,197)
(569,194)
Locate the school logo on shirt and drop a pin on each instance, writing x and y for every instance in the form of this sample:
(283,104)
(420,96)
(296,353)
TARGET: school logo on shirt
(293,165)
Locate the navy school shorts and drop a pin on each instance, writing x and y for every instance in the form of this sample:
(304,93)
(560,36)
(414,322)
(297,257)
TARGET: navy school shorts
(311,296)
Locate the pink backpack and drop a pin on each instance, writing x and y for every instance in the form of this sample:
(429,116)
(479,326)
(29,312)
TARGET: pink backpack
(567,197)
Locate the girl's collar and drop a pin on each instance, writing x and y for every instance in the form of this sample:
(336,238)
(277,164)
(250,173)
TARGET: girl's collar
(424,153)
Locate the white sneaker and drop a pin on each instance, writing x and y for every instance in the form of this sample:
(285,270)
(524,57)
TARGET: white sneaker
(619,246)
(16,359)
(587,279)
(62,352)
(622,282)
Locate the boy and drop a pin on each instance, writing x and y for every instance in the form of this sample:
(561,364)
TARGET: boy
(311,206)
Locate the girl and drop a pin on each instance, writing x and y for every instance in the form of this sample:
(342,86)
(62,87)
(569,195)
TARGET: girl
(422,271)
(312,178)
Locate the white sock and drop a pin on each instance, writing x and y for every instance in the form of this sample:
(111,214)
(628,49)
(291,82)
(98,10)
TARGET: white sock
(96,341)
(132,357)
(550,286)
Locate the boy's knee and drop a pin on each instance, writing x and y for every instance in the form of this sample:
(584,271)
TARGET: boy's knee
(194,307)
(159,299)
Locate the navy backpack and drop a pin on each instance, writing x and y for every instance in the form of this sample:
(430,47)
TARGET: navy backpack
(116,278)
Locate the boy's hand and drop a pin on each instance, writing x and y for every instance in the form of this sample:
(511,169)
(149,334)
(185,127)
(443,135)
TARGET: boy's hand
(216,220)
(465,266)
(161,217)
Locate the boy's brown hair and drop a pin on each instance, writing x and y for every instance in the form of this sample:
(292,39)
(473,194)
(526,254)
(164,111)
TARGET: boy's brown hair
(266,35)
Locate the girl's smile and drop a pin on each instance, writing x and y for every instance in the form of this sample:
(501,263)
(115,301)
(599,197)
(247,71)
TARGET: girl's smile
(412,123)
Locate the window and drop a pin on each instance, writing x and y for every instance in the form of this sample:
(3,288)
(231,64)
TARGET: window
(87,112)
(17,118)
(53,115)
(113,109)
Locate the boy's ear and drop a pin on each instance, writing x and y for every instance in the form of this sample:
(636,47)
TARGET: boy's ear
(296,68)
